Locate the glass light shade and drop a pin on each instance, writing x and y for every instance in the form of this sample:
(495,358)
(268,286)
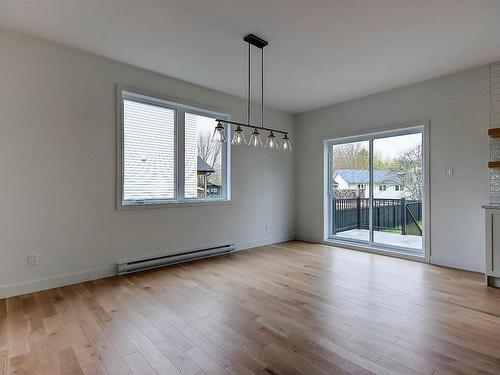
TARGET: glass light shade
(219,133)
(255,139)
(271,142)
(238,137)
(285,143)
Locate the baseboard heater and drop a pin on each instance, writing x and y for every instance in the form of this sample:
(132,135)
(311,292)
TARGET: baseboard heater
(165,260)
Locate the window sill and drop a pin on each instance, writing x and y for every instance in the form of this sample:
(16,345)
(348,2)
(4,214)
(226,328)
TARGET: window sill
(196,203)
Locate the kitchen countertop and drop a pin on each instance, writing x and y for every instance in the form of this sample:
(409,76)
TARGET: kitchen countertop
(491,206)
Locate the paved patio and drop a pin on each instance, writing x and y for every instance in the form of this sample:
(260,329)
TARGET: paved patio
(414,243)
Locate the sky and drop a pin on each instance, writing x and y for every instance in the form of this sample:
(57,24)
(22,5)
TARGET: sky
(393,146)
(205,125)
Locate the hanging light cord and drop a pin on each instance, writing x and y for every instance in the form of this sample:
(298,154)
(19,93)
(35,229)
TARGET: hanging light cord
(262,94)
(251,40)
(249,83)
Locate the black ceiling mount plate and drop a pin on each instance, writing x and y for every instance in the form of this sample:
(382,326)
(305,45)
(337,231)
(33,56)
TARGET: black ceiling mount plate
(254,40)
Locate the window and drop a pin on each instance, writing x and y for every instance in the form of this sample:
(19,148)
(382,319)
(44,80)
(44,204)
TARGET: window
(361,186)
(399,188)
(203,167)
(148,152)
(167,153)
(382,187)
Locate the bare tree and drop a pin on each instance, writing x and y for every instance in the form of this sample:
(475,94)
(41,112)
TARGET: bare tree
(355,156)
(210,152)
(350,156)
(408,169)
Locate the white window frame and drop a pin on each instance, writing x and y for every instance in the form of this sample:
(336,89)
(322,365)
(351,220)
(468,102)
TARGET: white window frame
(123,92)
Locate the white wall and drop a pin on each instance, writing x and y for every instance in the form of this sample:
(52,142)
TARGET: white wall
(457,107)
(58,168)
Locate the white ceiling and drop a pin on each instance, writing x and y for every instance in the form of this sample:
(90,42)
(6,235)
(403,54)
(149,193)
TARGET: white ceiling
(321,51)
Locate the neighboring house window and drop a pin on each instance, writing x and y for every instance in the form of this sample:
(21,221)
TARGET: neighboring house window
(167,154)
(361,186)
(382,187)
(399,188)
(335,185)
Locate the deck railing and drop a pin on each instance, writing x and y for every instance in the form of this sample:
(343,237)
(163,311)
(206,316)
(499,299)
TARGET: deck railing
(388,214)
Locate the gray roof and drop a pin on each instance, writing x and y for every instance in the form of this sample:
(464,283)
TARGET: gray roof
(204,167)
(361,176)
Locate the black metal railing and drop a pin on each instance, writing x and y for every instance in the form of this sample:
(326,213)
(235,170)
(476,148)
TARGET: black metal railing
(388,214)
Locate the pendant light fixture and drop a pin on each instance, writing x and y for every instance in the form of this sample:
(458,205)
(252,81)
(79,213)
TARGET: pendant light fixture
(239,137)
(271,142)
(255,140)
(219,133)
(285,143)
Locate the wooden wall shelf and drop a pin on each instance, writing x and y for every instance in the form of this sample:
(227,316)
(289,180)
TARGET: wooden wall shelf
(494,133)
(494,164)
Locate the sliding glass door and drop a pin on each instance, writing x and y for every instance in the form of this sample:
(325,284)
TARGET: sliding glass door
(376,190)
(350,190)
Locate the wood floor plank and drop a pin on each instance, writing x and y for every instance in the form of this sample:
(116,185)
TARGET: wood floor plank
(95,369)
(205,362)
(155,357)
(180,360)
(138,364)
(290,308)
(4,363)
(68,363)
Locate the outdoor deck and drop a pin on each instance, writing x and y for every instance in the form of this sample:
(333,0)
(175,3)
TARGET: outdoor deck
(413,243)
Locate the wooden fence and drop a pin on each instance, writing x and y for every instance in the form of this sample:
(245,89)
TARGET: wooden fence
(400,214)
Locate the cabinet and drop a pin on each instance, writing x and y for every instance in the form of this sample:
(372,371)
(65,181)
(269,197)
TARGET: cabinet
(492,218)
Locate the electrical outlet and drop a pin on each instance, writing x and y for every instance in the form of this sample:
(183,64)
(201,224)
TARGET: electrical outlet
(32,259)
(448,172)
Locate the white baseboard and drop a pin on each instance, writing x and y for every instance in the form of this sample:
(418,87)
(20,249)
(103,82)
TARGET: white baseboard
(264,242)
(98,273)
(55,281)
(300,237)
(454,263)
(24,287)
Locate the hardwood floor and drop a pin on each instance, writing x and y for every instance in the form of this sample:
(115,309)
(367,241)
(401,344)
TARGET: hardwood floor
(292,308)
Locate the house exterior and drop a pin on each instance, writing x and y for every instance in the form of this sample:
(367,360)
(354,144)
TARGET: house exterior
(385,183)
(203,170)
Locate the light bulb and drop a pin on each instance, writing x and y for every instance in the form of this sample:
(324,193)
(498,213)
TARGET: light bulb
(271,143)
(255,139)
(219,133)
(239,137)
(285,143)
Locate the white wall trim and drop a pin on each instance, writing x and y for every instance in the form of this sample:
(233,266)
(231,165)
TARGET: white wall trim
(57,281)
(454,263)
(264,242)
(64,279)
